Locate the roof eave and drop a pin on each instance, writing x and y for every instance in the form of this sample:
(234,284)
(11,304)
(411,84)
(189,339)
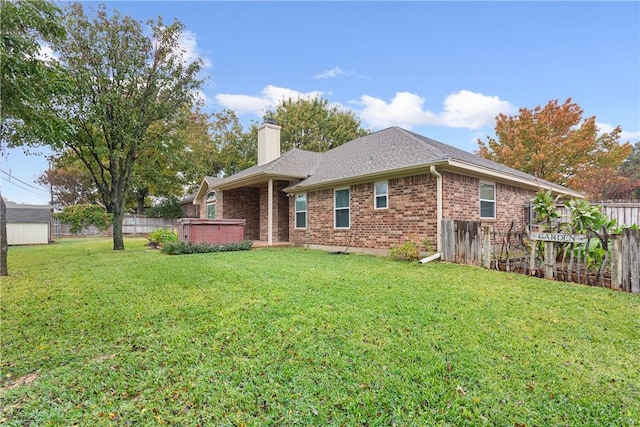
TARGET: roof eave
(256,178)
(533,183)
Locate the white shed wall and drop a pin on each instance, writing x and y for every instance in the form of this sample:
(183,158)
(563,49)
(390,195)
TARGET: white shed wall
(27,233)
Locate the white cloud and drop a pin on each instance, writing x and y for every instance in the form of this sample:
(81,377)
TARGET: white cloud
(191,51)
(404,110)
(625,136)
(463,109)
(270,96)
(46,53)
(334,72)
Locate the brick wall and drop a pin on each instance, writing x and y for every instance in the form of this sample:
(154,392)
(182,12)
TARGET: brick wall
(461,201)
(241,203)
(511,202)
(411,216)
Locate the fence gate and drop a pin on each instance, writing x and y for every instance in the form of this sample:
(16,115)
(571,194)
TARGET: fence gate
(461,242)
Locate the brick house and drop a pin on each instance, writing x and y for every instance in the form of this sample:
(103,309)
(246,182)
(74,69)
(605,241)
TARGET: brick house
(371,193)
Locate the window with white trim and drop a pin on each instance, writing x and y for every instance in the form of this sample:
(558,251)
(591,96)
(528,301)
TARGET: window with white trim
(301,211)
(211,205)
(381,195)
(341,208)
(487,200)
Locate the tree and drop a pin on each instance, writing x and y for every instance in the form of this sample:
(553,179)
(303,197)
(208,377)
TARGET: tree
(118,82)
(314,125)
(631,169)
(554,143)
(608,184)
(25,80)
(163,160)
(69,182)
(238,150)
(201,153)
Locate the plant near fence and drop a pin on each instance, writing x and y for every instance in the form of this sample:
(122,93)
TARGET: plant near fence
(408,251)
(160,237)
(544,205)
(84,215)
(589,219)
(581,262)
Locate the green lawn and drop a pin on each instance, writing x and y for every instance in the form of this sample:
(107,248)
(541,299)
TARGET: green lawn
(301,337)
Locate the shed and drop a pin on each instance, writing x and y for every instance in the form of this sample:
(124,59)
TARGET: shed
(28,224)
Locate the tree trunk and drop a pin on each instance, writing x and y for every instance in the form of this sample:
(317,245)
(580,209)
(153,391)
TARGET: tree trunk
(118,215)
(140,196)
(4,246)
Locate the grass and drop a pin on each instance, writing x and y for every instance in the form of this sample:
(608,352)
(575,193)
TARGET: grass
(301,337)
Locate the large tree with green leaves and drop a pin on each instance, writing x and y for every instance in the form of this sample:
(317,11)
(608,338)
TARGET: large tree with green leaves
(119,80)
(314,125)
(25,79)
(555,143)
(237,149)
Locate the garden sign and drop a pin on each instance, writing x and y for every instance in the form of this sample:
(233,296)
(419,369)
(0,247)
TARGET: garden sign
(559,237)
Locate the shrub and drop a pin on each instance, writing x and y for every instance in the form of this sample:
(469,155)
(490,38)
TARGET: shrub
(185,248)
(84,215)
(161,236)
(407,251)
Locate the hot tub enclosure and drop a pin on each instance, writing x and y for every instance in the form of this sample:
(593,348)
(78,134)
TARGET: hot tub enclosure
(212,231)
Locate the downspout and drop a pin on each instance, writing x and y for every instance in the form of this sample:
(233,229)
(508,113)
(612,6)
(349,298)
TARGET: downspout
(438,176)
(438,253)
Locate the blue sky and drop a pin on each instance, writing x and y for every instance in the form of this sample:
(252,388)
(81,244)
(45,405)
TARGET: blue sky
(442,69)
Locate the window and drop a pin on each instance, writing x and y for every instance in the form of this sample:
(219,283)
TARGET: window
(341,203)
(301,211)
(381,195)
(487,200)
(211,205)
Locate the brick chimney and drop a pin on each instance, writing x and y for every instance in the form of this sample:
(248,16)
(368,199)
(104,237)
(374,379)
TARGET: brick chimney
(268,141)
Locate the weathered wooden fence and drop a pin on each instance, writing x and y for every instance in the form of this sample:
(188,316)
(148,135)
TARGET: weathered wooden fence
(467,242)
(625,269)
(131,225)
(461,242)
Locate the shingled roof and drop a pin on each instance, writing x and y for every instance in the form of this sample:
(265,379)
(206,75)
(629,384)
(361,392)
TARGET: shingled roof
(294,164)
(390,152)
(29,214)
(396,150)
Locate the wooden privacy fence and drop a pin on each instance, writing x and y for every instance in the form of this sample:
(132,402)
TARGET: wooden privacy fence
(467,242)
(131,225)
(461,242)
(625,268)
(626,213)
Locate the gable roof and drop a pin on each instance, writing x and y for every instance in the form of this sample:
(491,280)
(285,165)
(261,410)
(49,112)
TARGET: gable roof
(29,213)
(396,151)
(207,182)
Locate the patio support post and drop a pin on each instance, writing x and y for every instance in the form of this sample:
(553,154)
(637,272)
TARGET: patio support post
(270,213)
